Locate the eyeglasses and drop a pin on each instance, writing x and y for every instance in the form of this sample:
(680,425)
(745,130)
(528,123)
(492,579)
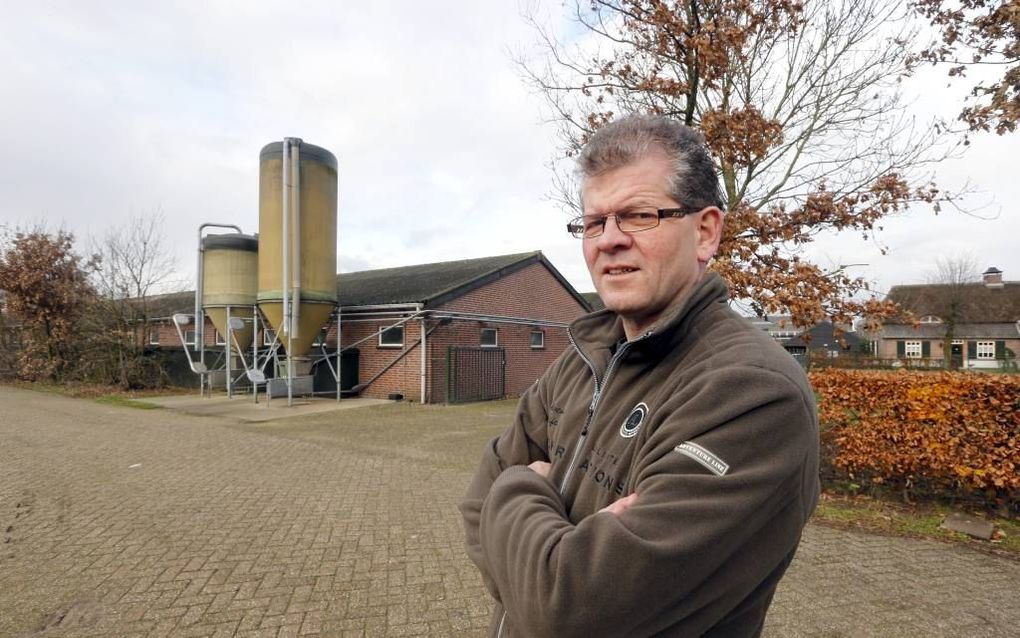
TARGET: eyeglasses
(591,226)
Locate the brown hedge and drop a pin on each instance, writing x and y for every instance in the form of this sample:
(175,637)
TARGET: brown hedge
(949,430)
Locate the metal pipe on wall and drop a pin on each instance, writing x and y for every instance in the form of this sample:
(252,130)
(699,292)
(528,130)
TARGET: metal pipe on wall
(288,306)
(229,348)
(285,217)
(295,304)
(424,360)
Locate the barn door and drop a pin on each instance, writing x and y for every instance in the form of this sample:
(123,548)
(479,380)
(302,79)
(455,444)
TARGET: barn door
(475,374)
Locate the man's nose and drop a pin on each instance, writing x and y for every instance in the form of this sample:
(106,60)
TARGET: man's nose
(612,237)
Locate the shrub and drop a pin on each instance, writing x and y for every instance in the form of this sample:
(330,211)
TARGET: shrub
(948,432)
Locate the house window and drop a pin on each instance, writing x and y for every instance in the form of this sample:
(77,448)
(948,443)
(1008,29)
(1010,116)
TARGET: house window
(537,339)
(392,337)
(189,337)
(930,319)
(220,339)
(912,349)
(488,338)
(154,336)
(985,349)
(268,337)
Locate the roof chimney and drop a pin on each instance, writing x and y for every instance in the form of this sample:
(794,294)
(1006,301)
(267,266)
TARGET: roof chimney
(992,277)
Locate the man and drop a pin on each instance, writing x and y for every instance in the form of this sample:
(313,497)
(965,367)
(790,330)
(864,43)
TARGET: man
(656,479)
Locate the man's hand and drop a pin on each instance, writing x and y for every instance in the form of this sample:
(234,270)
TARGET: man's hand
(541,467)
(619,507)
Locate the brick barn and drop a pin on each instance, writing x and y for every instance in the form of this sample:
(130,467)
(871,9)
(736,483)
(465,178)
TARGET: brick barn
(491,327)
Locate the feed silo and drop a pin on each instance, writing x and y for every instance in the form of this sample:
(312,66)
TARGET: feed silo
(230,282)
(297,243)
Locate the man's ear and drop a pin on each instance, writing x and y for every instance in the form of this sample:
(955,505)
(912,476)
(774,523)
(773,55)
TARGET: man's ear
(710,221)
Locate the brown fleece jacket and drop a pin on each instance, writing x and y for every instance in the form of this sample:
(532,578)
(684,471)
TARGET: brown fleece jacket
(714,427)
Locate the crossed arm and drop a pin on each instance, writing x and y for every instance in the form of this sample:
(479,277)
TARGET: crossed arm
(650,561)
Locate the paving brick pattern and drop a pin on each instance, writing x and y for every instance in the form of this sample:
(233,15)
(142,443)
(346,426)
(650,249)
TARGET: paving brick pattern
(120,522)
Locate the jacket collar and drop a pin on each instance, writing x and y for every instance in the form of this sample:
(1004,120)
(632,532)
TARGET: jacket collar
(595,334)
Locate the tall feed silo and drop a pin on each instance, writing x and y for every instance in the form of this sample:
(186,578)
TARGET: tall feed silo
(297,250)
(230,282)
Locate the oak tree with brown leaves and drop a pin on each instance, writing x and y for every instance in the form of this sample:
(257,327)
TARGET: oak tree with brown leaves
(979,33)
(47,289)
(799,105)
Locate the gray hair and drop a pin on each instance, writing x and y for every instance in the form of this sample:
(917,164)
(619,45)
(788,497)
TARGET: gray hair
(632,138)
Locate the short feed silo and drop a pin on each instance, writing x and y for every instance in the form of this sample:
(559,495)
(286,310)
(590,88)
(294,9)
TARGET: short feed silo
(229,283)
(297,244)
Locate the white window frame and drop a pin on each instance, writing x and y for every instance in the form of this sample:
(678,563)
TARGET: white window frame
(189,337)
(495,340)
(912,349)
(930,319)
(986,350)
(218,338)
(154,336)
(531,339)
(391,344)
(268,337)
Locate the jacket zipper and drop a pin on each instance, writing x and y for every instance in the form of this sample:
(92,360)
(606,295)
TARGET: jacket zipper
(595,398)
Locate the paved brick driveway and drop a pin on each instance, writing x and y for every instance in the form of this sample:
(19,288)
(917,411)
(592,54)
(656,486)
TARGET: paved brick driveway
(121,522)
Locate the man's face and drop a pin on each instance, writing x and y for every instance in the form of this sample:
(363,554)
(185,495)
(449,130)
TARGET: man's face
(639,275)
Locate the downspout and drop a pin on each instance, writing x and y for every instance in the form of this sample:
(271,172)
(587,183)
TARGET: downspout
(286,321)
(295,304)
(424,349)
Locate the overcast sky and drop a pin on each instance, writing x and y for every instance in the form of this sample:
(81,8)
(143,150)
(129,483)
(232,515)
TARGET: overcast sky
(115,109)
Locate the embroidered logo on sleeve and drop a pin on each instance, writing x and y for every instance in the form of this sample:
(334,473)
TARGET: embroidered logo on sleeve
(634,421)
(714,464)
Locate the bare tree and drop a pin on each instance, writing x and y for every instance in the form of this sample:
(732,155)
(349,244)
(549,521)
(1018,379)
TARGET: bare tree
(800,106)
(136,263)
(954,276)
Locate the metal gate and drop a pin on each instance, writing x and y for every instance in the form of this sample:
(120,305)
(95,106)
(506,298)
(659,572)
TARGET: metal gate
(475,374)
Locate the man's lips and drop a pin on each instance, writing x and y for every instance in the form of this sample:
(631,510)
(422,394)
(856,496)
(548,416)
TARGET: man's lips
(619,269)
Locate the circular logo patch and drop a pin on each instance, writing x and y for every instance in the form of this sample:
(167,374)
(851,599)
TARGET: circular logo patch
(634,421)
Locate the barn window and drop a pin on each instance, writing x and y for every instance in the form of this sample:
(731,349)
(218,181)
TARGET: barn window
(392,337)
(537,339)
(488,338)
(320,339)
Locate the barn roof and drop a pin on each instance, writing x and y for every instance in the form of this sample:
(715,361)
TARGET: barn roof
(436,283)
(428,284)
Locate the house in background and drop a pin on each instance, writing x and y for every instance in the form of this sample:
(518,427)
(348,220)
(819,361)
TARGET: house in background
(820,340)
(980,320)
(490,326)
